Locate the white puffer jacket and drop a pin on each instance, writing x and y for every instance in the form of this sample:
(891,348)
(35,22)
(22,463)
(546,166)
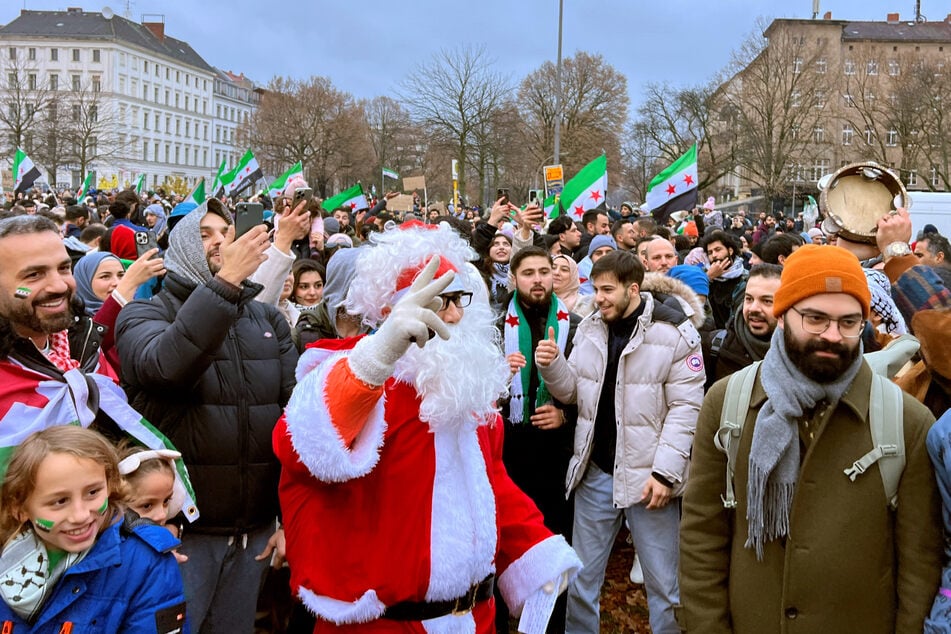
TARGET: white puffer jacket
(657,397)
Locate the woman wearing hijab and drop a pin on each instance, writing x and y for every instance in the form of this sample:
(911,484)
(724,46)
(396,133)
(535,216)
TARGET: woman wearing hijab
(565,284)
(105,287)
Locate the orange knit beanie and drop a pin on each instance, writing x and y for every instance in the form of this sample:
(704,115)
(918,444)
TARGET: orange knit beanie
(815,269)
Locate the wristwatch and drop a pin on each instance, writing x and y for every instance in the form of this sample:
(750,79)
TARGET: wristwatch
(896,249)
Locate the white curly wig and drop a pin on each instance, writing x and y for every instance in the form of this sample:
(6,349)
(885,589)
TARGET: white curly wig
(395,250)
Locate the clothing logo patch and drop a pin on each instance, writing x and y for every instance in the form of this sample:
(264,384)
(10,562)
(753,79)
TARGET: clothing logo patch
(267,334)
(695,362)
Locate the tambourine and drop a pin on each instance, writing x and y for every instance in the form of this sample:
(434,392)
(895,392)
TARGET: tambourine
(855,197)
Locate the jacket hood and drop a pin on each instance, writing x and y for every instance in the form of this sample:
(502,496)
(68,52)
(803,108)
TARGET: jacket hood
(186,253)
(690,303)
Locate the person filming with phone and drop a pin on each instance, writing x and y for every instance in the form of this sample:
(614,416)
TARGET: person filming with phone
(213,369)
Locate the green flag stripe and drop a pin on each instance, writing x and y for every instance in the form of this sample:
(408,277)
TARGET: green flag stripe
(677,166)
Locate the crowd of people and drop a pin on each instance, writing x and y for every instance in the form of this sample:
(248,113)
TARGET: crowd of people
(442,418)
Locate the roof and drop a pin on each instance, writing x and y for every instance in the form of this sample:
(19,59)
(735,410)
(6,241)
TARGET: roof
(898,31)
(84,25)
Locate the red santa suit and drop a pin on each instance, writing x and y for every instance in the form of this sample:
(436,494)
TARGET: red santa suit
(402,513)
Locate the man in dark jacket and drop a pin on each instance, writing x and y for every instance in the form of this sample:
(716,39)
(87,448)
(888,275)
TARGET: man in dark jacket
(213,370)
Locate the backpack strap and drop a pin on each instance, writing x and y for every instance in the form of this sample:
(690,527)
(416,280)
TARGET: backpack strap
(886,422)
(736,403)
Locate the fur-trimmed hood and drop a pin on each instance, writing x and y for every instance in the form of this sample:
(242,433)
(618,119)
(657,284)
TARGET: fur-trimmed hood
(659,283)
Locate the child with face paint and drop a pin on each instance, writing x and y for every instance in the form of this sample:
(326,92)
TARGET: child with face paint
(71,560)
(149,475)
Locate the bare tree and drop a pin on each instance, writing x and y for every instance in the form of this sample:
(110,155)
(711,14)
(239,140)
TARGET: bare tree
(594,111)
(392,134)
(24,97)
(454,96)
(933,89)
(52,146)
(92,131)
(312,122)
(773,102)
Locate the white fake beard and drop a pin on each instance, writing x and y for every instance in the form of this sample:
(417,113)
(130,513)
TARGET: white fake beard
(459,380)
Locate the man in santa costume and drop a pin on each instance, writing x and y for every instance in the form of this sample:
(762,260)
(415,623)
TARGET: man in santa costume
(398,512)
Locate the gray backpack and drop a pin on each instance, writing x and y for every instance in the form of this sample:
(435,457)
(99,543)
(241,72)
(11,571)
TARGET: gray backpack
(885,421)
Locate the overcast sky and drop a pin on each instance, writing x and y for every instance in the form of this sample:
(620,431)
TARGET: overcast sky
(367,46)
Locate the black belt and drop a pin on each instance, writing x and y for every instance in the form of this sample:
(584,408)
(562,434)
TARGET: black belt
(425,610)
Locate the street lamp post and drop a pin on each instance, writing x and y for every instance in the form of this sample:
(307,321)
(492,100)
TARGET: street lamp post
(561,12)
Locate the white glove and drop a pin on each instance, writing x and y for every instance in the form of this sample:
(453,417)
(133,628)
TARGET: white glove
(538,607)
(412,320)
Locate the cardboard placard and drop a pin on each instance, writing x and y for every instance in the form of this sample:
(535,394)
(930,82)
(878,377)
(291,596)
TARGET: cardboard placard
(400,202)
(411,183)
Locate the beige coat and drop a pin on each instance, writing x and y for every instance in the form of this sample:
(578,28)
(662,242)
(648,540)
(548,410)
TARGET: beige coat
(659,389)
(850,564)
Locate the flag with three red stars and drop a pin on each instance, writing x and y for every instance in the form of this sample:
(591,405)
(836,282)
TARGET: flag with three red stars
(585,191)
(674,189)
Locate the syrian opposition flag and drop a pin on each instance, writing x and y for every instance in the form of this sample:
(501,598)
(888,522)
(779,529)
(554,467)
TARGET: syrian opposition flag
(139,184)
(245,174)
(198,194)
(217,187)
(84,190)
(354,199)
(388,173)
(586,190)
(674,189)
(277,187)
(25,172)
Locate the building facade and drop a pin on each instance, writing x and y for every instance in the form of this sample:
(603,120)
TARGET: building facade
(92,91)
(838,92)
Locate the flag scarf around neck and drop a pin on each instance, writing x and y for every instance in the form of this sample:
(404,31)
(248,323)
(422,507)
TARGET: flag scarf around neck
(277,187)
(585,191)
(353,198)
(40,401)
(25,172)
(518,338)
(87,185)
(674,189)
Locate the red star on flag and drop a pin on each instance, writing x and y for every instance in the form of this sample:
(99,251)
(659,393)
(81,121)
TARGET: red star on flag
(353,206)
(579,211)
(512,320)
(596,195)
(583,280)
(688,180)
(671,189)
(561,315)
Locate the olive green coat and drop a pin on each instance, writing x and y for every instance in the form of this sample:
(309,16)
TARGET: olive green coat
(849,564)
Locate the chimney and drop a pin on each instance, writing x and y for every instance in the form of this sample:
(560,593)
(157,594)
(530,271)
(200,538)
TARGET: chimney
(893,18)
(74,9)
(157,29)
(948,19)
(827,16)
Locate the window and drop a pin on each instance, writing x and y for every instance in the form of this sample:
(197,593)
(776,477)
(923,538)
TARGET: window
(145,120)
(893,98)
(794,131)
(819,169)
(847,133)
(871,67)
(54,82)
(186,102)
(145,150)
(122,85)
(31,54)
(891,138)
(188,127)
(145,66)
(820,99)
(31,81)
(204,158)
(97,56)
(168,124)
(797,65)
(12,81)
(75,54)
(796,98)
(12,52)
(96,83)
(206,131)
(849,67)
(818,134)
(934,175)
(869,134)
(168,152)
(54,54)
(178,77)
(166,97)
(167,74)
(187,150)
(155,149)
(188,82)
(94,113)
(178,127)
(176,99)
(848,101)
(76,80)
(869,96)
(893,68)
(177,155)
(157,121)
(821,66)
(77,112)
(912,178)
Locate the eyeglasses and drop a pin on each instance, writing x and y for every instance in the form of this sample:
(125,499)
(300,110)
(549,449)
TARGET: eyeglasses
(461,300)
(817,323)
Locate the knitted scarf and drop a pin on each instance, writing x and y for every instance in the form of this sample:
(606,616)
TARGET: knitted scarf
(774,453)
(499,278)
(736,270)
(518,338)
(754,346)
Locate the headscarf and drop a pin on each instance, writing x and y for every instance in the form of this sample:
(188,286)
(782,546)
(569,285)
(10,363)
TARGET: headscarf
(85,271)
(569,293)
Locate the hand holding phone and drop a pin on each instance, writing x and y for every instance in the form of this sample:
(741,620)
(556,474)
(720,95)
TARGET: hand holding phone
(144,242)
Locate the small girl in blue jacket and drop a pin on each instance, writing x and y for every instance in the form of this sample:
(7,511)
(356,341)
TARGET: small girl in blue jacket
(71,562)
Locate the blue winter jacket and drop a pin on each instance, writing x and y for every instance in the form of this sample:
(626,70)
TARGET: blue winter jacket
(129,582)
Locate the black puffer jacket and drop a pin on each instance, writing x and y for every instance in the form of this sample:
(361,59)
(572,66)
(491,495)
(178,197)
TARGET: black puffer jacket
(213,369)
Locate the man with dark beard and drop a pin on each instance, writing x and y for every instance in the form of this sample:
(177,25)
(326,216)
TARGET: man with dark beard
(398,510)
(805,541)
(726,273)
(538,428)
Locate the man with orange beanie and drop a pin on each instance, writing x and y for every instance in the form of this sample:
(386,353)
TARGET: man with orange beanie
(805,544)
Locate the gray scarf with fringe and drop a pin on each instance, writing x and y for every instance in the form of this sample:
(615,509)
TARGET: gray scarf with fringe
(186,254)
(774,453)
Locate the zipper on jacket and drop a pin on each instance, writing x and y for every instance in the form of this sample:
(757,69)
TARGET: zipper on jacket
(243,423)
(82,353)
